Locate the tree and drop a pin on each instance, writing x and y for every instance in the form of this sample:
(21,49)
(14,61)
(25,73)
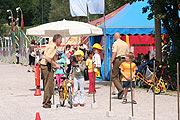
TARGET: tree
(59,10)
(167,11)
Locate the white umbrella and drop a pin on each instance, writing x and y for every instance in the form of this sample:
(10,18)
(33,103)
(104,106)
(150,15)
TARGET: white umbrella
(65,28)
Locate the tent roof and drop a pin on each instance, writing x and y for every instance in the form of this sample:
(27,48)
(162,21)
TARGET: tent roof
(130,20)
(109,16)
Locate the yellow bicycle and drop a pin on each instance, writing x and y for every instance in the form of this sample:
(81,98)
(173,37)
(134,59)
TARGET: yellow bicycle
(160,84)
(65,92)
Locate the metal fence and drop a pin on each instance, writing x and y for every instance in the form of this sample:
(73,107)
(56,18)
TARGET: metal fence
(9,47)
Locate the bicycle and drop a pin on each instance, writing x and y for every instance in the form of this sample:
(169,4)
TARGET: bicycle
(65,92)
(171,81)
(149,78)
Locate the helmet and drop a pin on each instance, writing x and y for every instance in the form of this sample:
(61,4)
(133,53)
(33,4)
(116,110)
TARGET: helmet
(79,52)
(97,46)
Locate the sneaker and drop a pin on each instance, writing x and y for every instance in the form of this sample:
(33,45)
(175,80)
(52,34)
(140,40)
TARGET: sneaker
(28,71)
(46,106)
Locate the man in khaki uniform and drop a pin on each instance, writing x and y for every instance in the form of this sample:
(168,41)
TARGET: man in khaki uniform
(119,51)
(47,63)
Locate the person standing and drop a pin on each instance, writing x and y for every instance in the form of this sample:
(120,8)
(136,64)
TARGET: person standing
(68,56)
(78,71)
(97,58)
(89,64)
(17,56)
(60,72)
(119,51)
(126,76)
(32,55)
(47,63)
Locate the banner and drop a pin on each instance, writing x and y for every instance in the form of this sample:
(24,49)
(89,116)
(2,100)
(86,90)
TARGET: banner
(78,7)
(96,6)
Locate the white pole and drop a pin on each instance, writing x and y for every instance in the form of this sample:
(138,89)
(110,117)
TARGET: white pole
(178,88)
(5,47)
(2,47)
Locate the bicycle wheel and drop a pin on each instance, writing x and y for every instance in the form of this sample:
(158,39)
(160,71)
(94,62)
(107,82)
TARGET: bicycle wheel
(139,83)
(173,83)
(156,89)
(61,98)
(167,84)
(70,97)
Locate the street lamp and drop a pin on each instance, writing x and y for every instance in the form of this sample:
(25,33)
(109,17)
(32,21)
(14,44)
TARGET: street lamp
(11,17)
(21,39)
(12,40)
(17,9)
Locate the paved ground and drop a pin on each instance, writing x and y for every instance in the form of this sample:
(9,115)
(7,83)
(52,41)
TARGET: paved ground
(17,101)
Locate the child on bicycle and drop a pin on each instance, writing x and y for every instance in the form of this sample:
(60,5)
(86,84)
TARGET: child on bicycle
(126,79)
(78,73)
(90,72)
(60,72)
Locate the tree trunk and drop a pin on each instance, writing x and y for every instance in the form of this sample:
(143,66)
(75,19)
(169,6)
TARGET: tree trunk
(158,39)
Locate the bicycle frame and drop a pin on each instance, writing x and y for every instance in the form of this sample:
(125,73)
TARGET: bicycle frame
(159,82)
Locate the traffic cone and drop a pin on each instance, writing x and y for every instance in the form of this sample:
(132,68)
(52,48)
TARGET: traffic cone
(37,116)
(37,92)
(37,80)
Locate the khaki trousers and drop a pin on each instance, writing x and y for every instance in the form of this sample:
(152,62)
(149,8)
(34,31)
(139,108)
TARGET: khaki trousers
(116,75)
(48,84)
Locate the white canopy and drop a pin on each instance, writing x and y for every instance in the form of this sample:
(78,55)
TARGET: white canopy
(65,28)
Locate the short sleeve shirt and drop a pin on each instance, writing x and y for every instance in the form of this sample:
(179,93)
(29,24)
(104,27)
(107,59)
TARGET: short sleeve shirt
(120,47)
(67,59)
(89,64)
(125,67)
(97,60)
(62,63)
(51,52)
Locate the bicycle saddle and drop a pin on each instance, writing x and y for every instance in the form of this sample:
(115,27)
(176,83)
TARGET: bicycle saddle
(63,78)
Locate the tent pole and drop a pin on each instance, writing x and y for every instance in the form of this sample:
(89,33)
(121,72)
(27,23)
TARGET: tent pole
(105,47)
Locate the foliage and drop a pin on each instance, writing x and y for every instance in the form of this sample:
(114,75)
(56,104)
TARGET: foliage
(167,11)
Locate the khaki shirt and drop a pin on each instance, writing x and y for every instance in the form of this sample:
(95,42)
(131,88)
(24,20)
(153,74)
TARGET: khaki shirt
(51,52)
(120,47)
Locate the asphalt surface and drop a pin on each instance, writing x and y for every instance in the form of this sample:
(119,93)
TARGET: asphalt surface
(17,101)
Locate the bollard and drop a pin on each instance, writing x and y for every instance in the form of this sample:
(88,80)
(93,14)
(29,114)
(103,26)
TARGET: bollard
(131,89)
(37,80)
(178,87)
(110,113)
(54,82)
(154,66)
(93,105)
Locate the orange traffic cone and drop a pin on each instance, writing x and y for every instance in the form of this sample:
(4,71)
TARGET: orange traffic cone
(37,116)
(37,80)
(37,92)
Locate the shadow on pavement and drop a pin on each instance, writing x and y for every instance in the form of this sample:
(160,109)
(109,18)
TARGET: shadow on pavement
(103,82)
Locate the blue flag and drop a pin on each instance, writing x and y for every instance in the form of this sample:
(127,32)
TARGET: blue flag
(79,7)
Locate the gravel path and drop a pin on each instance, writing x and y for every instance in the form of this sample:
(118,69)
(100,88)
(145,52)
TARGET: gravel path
(17,101)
